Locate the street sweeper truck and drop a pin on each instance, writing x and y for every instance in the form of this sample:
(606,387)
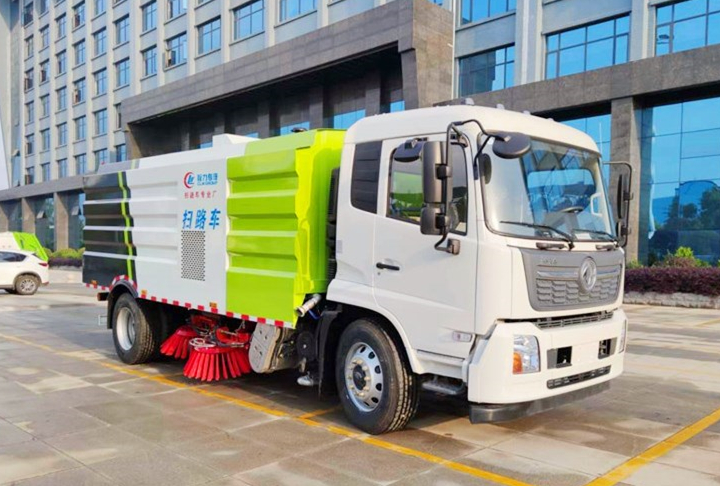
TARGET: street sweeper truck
(460,250)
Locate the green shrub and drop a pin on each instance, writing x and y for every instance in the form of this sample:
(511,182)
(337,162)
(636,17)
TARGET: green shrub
(634,264)
(684,252)
(67,253)
(682,258)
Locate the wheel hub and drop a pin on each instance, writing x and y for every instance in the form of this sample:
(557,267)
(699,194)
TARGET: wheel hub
(125,329)
(363,377)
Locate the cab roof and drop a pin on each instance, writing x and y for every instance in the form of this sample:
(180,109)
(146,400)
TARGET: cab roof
(426,121)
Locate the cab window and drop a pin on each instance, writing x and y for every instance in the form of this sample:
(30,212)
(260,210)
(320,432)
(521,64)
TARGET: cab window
(405,198)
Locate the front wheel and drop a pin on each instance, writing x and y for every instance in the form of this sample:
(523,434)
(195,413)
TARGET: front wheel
(378,390)
(132,332)
(26,284)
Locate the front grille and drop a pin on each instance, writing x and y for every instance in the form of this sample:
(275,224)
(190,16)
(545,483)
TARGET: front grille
(561,288)
(550,323)
(579,378)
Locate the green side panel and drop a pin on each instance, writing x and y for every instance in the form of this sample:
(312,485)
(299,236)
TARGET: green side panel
(277,211)
(30,242)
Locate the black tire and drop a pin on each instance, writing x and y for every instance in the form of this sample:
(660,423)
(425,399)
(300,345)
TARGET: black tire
(10,291)
(26,284)
(399,396)
(136,346)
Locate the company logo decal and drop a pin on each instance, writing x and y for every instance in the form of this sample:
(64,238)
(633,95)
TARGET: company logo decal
(588,275)
(191,179)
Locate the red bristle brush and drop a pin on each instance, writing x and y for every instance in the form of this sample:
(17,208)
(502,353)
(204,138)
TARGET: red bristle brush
(210,362)
(178,345)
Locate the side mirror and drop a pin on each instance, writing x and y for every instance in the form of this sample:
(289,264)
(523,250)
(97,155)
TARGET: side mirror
(510,145)
(620,195)
(437,176)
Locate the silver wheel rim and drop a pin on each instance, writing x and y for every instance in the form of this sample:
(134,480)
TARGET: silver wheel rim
(363,377)
(125,326)
(27,285)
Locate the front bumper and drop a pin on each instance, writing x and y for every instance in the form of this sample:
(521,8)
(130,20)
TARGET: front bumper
(493,386)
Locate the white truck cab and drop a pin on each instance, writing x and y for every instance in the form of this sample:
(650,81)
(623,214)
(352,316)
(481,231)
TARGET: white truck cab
(520,303)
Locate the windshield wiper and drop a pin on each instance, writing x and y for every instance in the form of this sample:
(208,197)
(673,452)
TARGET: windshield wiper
(595,232)
(565,236)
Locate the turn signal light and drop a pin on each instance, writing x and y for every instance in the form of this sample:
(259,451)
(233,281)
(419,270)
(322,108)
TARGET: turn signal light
(517,363)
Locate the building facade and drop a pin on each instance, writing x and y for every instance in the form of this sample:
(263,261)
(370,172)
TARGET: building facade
(96,82)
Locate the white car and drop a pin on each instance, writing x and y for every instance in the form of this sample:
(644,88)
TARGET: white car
(21,272)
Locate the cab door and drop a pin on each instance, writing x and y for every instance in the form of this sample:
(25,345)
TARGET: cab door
(431,293)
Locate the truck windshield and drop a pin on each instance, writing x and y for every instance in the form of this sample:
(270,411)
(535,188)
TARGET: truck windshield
(552,192)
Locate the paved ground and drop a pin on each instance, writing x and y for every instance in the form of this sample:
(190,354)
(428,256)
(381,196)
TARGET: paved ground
(71,414)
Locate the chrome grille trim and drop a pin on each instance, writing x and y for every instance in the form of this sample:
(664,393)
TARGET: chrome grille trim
(551,323)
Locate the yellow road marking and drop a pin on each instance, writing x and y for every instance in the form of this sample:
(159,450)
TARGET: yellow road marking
(708,323)
(305,418)
(629,467)
(317,413)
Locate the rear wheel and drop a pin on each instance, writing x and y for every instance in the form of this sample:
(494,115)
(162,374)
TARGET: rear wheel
(378,390)
(132,332)
(26,284)
(10,291)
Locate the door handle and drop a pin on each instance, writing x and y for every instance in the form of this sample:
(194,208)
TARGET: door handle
(386,266)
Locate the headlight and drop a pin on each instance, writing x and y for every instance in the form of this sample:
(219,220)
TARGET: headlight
(623,337)
(526,355)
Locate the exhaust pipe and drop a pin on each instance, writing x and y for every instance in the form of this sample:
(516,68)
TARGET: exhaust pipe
(301,310)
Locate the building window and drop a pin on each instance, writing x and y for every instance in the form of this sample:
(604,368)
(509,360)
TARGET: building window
(44,106)
(79,52)
(30,144)
(61,62)
(29,79)
(42,6)
(27,13)
(100,122)
(62,134)
(99,6)
(149,16)
(176,50)
(120,152)
(209,36)
(118,117)
(100,82)
(294,8)
(29,47)
(81,164)
(30,175)
(29,112)
(78,15)
(101,157)
(176,7)
(45,139)
(588,47)
(44,37)
(122,30)
(474,10)
(249,19)
(345,104)
(598,127)
(61,98)
(45,168)
(487,71)
(100,42)
(681,157)
(62,168)
(44,72)
(80,128)
(61,26)
(149,61)
(687,25)
(122,73)
(79,91)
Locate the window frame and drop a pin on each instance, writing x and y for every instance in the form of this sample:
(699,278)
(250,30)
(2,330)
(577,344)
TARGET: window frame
(215,29)
(238,16)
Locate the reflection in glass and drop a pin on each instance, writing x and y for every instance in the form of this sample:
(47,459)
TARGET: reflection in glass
(687,25)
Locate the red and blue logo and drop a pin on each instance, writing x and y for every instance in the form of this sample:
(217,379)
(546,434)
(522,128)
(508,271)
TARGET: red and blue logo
(189,179)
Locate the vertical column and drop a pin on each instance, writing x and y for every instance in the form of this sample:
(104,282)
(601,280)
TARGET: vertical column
(640,34)
(316,105)
(62,222)
(625,146)
(263,118)
(28,216)
(373,90)
(528,42)
(271,18)
(4,219)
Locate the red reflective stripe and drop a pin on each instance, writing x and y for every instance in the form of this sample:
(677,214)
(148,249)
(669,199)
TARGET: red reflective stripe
(164,301)
(200,307)
(188,305)
(279,323)
(153,298)
(175,302)
(230,314)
